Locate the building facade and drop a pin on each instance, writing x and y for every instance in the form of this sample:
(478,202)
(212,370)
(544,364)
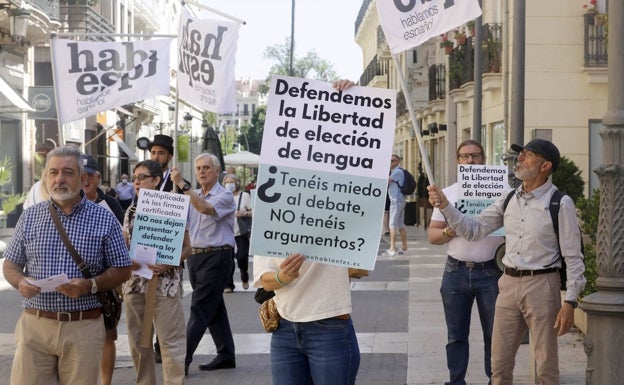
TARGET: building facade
(565,83)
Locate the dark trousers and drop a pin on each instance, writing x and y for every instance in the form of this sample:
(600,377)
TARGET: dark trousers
(242,259)
(208,274)
(125,203)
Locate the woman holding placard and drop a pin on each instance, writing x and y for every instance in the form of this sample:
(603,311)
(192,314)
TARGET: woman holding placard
(168,320)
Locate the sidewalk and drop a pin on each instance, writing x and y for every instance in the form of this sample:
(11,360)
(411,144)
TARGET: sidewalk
(398,317)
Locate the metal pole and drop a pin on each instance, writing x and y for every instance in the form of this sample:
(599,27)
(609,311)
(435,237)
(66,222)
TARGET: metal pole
(517,73)
(292,38)
(415,123)
(478,80)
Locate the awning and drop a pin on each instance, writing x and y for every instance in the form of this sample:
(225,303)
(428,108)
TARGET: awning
(132,156)
(12,97)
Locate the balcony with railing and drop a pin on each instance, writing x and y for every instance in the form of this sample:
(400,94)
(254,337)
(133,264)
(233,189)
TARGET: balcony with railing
(85,16)
(461,58)
(437,81)
(376,72)
(361,14)
(596,37)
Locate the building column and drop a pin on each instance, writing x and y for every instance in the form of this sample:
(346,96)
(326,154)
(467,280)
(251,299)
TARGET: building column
(604,342)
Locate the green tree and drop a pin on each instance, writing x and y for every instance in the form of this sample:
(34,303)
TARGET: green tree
(254,131)
(589,209)
(310,66)
(568,179)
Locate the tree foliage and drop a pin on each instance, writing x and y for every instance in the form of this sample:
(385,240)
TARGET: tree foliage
(310,66)
(568,179)
(255,130)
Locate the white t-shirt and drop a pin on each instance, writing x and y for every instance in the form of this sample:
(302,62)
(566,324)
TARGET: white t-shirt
(35,195)
(461,249)
(321,291)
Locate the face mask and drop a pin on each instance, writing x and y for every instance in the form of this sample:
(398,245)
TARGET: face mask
(230,186)
(124,180)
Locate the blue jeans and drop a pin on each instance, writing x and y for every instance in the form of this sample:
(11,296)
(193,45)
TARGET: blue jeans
(323,352)
(460,287)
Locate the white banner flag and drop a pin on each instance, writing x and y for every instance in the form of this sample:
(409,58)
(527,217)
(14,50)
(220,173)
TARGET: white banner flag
(206,59)
(90,77)
(410,23)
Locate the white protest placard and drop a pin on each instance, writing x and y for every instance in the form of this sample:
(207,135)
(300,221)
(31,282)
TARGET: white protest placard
(206,62)
(160,220)
(407,24)
(479,186)
(323,172)
(90,77)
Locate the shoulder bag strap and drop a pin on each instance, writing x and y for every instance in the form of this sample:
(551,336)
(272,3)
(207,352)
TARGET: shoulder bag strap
(240,196)
(82,266)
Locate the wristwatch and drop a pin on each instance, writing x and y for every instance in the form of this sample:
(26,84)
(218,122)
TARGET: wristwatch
(574,304)
(94,287)
(186,187)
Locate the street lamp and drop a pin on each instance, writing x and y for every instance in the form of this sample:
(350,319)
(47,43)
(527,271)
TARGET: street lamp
(19,25)
(171,112)
(187,121)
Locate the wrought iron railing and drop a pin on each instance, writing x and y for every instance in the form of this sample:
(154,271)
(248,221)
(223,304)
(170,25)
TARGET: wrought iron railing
(361,14)
(596,38)
(461,59)
(437,80)
(374,68)
(86,19)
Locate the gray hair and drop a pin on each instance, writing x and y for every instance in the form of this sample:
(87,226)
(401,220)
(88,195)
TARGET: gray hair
(62,151)
(234,177)
(213,159)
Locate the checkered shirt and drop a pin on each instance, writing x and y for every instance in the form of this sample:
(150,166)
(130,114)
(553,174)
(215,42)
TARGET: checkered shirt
(37,246)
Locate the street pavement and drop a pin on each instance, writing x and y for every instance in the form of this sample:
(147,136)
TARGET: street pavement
(397,313)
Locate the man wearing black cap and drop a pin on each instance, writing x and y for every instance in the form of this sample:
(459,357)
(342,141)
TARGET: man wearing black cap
(529,288)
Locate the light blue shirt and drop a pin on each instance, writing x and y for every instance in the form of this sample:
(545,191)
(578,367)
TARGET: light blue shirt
(125,192)
(213,230)
(394,191)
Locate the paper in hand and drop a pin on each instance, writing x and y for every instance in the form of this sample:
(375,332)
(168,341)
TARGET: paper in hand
(50,283)
(144,256)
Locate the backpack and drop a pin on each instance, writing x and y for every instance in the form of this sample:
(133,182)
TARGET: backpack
(553,208)
(409,183)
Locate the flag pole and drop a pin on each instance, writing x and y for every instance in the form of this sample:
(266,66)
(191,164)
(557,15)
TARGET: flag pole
(204,7)
(415,122)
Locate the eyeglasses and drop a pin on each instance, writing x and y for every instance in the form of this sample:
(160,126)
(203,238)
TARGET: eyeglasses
(140,177)
(474,155)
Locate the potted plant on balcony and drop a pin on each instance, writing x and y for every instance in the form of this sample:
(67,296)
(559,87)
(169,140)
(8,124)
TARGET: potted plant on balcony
(471,27)
(591,10)
(446,44)
(460,37)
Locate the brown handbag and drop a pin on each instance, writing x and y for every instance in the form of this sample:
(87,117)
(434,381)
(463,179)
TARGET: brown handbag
(269,316)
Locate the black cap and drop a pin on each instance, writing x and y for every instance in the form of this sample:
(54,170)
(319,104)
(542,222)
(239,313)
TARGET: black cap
(543,147)
(163,141)
(89,163)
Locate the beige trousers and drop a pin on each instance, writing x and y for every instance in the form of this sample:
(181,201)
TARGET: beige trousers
(533,302)
(53,352)
(170,327)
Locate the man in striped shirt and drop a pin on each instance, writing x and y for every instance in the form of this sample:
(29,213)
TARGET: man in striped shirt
(60,333)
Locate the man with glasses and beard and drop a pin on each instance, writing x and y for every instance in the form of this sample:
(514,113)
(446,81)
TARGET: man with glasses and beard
(529,294)
(471,274)
(60,334)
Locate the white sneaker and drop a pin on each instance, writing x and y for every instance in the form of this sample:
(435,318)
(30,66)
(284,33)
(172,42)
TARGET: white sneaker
(389,253)
(402,251)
